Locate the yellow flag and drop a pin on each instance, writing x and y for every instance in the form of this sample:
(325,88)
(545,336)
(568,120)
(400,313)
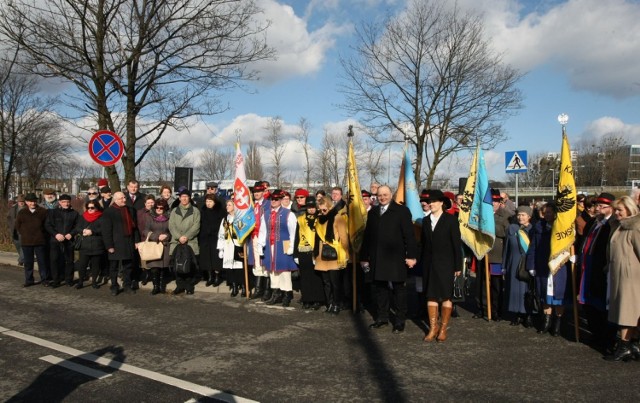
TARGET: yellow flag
(357,211)
(563,232)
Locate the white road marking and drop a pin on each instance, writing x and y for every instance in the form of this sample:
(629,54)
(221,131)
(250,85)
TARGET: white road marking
(155,376)
(94,373)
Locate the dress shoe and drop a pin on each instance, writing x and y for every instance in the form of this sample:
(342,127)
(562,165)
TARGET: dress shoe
(623,352)
(95,286)
(378,324)
(306,305)
(115,291)
(335,310)
(399,328)
(178,291)
(79,285)
(315,306)
(477,316)
(190,292)
(25,285)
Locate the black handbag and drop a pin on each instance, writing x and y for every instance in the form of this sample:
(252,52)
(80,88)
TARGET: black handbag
(522,273)
(238,253)
(328,252)
(458,288)
(77,242)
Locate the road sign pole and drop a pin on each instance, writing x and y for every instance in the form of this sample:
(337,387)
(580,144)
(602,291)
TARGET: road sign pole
(516,190)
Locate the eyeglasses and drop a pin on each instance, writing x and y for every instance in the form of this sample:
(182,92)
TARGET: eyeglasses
(92,193)
(91,208)
(209,187)
(324,210)
(159,208)
(300,197)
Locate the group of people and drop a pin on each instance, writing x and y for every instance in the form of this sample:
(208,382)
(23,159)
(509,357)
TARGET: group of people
(303,242)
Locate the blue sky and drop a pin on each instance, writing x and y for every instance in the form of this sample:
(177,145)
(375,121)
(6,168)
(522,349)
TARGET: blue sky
(580,57)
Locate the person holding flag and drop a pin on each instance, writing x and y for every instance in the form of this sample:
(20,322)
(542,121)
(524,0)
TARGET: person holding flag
(477,221)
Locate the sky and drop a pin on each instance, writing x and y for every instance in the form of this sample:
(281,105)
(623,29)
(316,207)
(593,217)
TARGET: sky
(579,57)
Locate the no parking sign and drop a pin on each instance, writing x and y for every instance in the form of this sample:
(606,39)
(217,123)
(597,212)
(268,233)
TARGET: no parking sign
(106,147)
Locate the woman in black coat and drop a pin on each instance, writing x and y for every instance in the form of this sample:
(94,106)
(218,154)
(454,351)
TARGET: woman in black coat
(92,249)
(211,215)
(442,261)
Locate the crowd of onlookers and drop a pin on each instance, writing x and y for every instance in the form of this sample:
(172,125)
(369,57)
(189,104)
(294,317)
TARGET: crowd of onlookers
(302,241)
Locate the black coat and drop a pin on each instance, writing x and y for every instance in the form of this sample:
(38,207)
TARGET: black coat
(140,199)
(113,234)
(91,245)
(210,220)
(389,239)
(441,255)
(61,221)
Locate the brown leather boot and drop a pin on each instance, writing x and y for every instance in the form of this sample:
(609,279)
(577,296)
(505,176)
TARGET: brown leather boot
(446,315)
(433,323)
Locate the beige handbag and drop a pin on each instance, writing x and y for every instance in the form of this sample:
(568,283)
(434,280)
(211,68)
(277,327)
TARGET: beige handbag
(150,250)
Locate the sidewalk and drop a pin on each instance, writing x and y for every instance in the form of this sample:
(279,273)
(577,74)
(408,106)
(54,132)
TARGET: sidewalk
(11,259)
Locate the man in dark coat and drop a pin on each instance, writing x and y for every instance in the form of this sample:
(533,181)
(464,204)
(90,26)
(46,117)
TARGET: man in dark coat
(592,262)
(133,196)
(120,235)
(61,226)
(388,248)
(30,227)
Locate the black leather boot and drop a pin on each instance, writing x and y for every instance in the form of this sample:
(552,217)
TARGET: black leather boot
(276,297)
(623,352)
(234,290)
(528,322)
(210,280)
(556,326)
(268,292)
(546,324)
(286,298)
(243,291)
(635,349)
(259,290)
(156,283)
(161,283)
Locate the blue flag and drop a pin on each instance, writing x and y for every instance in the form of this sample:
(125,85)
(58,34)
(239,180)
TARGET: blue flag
(481,215)
(411,198)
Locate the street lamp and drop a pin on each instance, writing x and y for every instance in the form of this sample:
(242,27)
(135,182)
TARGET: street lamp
(171,164)
(553,179)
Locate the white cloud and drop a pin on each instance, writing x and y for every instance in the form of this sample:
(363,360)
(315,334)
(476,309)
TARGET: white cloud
(595,43)
(611,126)
(299,51)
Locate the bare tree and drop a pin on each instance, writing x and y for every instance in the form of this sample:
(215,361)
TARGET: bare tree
(253,162)
(275,140)
(161,162)
(139,66)
(328,160)
(432,69)
(216,164)
(303,137)
(41,149)
(22,112)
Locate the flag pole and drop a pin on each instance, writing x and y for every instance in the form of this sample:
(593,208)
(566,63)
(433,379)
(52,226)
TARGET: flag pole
(487,285)
(246,272)
(576,318)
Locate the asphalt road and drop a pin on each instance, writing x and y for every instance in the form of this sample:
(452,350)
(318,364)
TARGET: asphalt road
(183,348)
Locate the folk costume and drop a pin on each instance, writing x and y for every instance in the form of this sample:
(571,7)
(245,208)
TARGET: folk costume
(311,286)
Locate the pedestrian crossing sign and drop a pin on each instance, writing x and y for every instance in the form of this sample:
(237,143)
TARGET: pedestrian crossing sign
(515,161)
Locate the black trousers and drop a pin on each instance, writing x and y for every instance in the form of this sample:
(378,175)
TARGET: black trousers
(332,284)
(496,287)
(61,258)
(116,266)
(384,295)
(95,261)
